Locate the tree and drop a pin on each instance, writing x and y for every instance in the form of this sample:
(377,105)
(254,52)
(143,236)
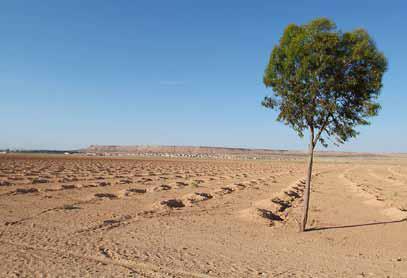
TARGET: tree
(325,83)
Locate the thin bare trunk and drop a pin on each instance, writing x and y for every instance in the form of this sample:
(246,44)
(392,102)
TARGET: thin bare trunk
(307,189)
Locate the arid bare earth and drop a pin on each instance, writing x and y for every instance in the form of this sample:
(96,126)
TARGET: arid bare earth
(98,217)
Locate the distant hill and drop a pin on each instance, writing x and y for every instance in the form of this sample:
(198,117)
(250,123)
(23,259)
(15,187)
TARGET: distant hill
(183,149)
(209,151)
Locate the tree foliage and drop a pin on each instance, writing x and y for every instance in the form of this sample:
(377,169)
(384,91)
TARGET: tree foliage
(325,81)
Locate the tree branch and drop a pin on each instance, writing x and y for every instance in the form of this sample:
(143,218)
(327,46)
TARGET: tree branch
(324,125)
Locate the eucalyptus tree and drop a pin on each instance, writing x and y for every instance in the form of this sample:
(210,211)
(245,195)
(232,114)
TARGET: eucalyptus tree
(324,84)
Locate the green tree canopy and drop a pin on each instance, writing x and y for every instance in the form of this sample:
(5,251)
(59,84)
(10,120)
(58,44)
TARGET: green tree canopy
(324,80)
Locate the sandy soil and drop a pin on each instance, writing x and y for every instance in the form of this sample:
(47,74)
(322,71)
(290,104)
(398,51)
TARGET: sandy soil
(98,217)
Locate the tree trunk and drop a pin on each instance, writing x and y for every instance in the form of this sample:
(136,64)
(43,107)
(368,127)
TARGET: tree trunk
(308,184)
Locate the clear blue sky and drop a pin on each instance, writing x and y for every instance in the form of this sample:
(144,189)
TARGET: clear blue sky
(74,73)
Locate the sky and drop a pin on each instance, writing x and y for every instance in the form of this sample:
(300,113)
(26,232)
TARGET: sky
(75,73)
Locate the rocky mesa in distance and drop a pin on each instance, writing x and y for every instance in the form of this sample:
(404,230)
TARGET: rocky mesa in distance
(207,151)
(182,149)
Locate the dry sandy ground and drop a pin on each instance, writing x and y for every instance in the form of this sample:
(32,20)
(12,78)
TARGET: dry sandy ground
(94,217)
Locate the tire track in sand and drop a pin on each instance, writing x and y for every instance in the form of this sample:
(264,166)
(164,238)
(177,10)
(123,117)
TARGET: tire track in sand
(370,199)
(140,268)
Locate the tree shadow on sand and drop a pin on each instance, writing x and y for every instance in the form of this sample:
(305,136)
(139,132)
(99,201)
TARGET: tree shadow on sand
(356,225)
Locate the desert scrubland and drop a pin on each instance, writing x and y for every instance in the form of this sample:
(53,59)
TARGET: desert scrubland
(76,216)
